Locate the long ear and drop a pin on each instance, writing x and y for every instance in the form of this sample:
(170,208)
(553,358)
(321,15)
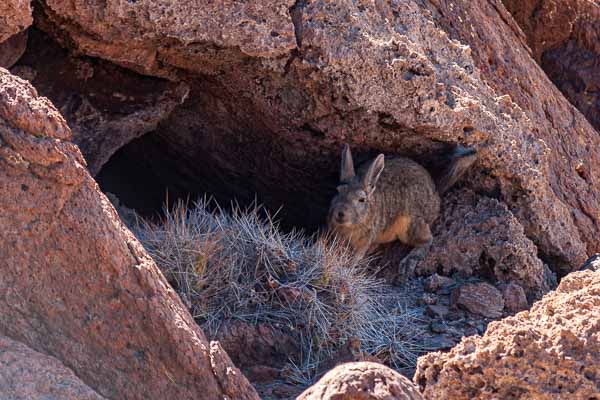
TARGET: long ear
(347,168)
(373,173)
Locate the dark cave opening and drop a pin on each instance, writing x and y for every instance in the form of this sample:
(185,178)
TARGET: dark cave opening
(136,182)
(149,174)
(156,170)
(214,144)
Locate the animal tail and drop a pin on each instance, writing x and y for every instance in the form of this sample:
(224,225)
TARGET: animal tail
(460,161)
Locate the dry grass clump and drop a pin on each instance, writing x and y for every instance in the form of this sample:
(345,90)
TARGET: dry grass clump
(239,265)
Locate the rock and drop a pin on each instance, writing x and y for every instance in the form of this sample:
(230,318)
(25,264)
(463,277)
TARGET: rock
(12,49)
(440,342)
(592,263)
(254,29)
(436,311)
(361,381)
(479,298)
(282,89)
(76,284)
(470,331)
(27,374)
(15,16)
(514,297)
(438,327)
(127,215)
(569,56)
(350,352)
(456,314)
(479,236)
(429,298)
(436,282)
(505,63)
(24,72)
(232,383)
(251,346)
(286,391)
(105,106)
(261,373)
(550,351)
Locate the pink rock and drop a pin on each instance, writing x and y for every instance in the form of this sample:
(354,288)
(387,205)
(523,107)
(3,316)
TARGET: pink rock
(480,298)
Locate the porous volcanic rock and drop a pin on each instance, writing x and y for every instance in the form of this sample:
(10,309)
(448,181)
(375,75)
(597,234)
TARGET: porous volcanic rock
(15,16)
(362,381)
(480,298)
(569,167)
(160,38)
(277,87)
(480,236)
(514,296)
(28,375)
(76,284)
(564,36)
(548,352)
(105,106)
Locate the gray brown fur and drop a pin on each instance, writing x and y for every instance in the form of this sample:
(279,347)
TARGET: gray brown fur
(388,201)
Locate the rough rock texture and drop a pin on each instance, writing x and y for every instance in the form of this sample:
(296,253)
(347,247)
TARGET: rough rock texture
(478,235)
(592,264)
(548,352)
(362,381)
(160,37)
(480,298)
(75,284)
(232,384)
(435,282)
(15,16)
(275,92)
(564,36)
(514,296)
(12,49)
(254,347)
(571,166)
(28,375)
(105,106)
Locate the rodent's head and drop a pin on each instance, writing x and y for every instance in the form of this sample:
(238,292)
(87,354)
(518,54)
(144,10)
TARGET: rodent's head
(352,204)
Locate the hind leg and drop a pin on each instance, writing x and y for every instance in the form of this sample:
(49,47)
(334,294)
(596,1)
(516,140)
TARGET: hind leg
(419,236)
(419,233)
(407,266)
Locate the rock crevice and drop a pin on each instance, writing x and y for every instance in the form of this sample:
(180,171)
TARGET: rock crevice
(406,78)
(94,300)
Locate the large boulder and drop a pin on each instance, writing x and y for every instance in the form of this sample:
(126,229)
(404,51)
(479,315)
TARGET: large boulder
(105,106)
(550,351)
(277,87)
(362,381)
(478,235)
(76,285)
(564,36)
(28,375)
(15,16)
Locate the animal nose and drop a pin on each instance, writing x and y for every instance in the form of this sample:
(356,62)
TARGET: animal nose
(341,214)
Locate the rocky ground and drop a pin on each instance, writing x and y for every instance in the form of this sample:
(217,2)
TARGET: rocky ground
(252,101)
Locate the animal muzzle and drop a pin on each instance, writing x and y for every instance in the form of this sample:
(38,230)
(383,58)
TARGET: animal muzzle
(339,216)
